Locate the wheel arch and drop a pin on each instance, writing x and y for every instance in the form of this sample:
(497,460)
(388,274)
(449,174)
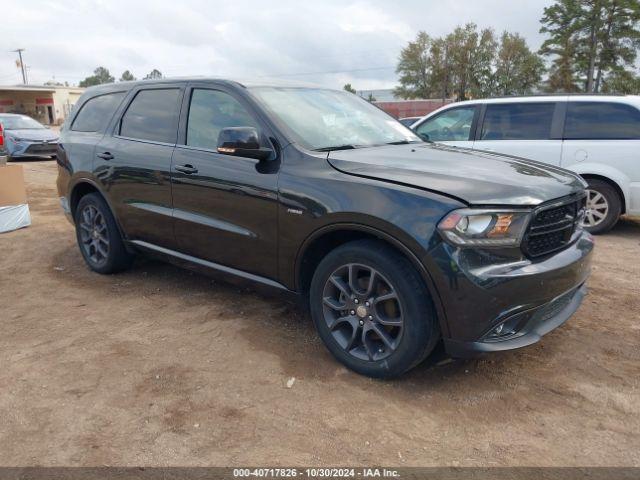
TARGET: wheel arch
(614,184)
(329,237)
(612,176)
(85,186)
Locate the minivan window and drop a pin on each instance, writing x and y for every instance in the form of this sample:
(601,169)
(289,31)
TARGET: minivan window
(209,112)
(601,121)
(152,115)
(518,121)
(452,125)
(96,112)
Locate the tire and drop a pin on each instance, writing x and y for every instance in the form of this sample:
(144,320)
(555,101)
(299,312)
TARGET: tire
(348,317)
(603,195)
(98,236)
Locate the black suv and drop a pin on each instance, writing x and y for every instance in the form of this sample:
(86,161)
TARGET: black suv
(394,244)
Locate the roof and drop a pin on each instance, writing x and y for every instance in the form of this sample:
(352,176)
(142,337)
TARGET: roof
(552,98)
(257,82)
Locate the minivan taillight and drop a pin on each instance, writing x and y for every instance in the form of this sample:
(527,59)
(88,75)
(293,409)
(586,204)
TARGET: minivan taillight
(1,136)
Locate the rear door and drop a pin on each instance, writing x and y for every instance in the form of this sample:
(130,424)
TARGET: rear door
(603,137)
(453,126)
(526,129)
(134,162)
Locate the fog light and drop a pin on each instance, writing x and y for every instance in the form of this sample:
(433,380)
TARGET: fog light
(507,328)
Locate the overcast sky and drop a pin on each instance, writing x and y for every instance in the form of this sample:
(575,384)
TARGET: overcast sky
(326,42)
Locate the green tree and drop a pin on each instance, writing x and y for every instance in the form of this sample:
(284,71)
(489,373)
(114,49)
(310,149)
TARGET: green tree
(348,88)
(471,58)
(371,98)
(623,82)
(558,21)
(154,74)
(126,76)
(589,40)
(100,75)
(415,69)
(518,69)
(460,63)
(619,38)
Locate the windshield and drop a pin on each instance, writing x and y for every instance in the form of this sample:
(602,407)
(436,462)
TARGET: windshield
(323,119)
(20,122)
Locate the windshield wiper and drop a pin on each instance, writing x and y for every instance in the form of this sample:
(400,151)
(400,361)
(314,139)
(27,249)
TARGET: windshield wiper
(402,142)
(337,147)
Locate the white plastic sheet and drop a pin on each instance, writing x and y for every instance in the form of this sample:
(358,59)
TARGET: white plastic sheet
(14,217)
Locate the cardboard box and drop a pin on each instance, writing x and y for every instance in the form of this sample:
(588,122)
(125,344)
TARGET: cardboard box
(12,188)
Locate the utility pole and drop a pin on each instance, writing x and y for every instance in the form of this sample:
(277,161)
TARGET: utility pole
(24,76)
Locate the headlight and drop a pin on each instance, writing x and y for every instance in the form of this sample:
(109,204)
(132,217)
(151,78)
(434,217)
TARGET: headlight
(471,227)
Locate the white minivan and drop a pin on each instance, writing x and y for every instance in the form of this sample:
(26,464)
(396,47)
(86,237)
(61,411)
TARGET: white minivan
(595,136)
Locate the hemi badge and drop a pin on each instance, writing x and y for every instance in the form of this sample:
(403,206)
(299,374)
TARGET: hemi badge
(294,210)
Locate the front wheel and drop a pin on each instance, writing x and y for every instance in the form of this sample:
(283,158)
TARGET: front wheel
(603,207)
(372,309)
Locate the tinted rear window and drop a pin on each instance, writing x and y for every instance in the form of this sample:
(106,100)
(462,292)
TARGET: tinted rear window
(153,115)
(96,112)
(599,120)
(518,121)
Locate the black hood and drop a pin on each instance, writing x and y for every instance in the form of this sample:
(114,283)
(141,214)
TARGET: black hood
(476,177)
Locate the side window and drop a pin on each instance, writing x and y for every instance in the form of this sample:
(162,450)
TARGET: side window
(209,112)
(452,125)
(601,121)
(518,121)
(96,112)
(152,115)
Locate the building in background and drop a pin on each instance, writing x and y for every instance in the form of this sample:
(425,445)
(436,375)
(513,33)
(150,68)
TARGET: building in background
(380,95)
(49,105)
(400,108)
(411,108)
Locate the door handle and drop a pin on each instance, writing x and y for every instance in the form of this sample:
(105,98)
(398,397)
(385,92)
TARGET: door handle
(105,156)
(187,169)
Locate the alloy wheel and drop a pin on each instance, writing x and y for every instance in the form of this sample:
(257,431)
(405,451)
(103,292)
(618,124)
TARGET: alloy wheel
(597,209)
(94,235)
(363,312)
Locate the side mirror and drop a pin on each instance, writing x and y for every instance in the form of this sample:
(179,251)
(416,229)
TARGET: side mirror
(242,142)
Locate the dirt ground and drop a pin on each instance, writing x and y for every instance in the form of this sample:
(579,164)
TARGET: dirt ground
(160,366)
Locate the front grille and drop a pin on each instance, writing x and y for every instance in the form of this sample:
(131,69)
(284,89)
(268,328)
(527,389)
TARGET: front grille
(41,148)
(552,227)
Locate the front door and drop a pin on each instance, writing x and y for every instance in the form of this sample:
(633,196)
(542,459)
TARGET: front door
(225,207)
(133,164)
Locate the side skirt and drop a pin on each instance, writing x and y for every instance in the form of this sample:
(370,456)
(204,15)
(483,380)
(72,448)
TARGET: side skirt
(227,273)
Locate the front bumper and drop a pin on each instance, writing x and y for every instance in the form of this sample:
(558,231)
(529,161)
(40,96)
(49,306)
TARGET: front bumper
(32,149)
(532,325)
(493,302)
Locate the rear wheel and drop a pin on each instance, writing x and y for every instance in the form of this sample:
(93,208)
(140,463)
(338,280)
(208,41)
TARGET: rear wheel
(604,206)
(372,309)
(98,236)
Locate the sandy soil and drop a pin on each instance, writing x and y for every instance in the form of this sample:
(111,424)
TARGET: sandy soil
(160,366)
